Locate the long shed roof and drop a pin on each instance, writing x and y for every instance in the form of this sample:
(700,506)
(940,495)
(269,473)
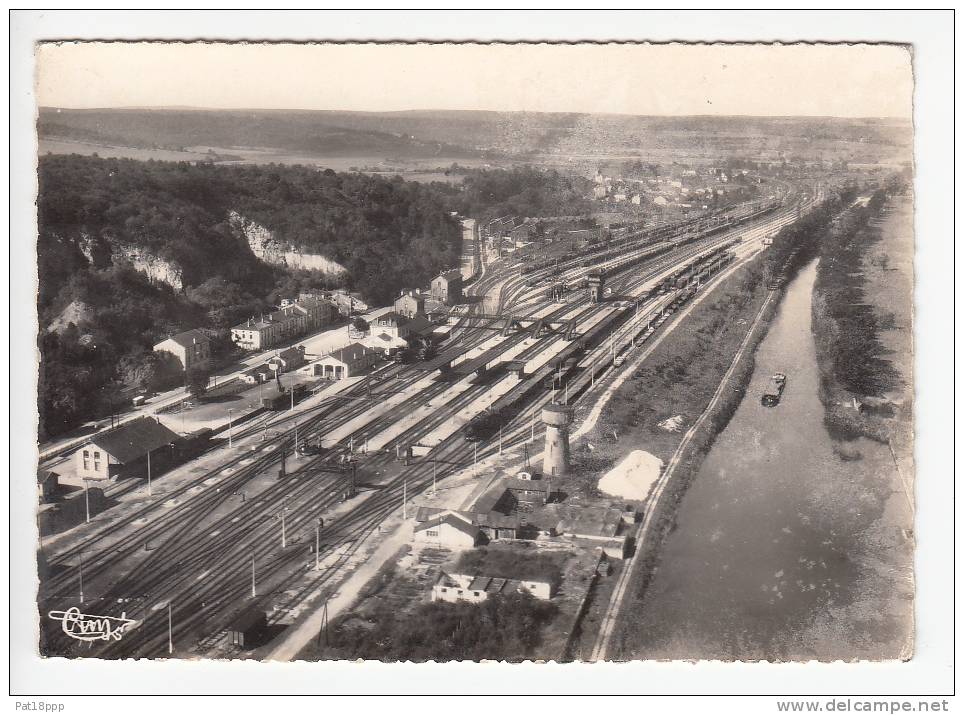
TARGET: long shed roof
(134,439)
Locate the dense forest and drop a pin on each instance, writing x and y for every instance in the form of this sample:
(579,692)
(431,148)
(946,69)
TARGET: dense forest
(524,191)
(131,251)
(99,219)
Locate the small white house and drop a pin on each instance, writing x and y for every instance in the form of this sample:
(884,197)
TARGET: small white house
(453,588)
(350,361)
(450,530)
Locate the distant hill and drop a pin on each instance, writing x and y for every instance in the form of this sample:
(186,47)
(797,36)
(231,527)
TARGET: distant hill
(313,133)
(423,134)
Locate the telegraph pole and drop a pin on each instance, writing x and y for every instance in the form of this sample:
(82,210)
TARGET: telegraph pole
(254,590)
(405,499)
(230,428)
(284,542)
(148,472)
(170,633)
(317,544)
(87,499)
(81,577)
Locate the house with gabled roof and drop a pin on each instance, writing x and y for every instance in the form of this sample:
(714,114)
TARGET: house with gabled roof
(349,361)
(114,451)
(449,529)
(192,348)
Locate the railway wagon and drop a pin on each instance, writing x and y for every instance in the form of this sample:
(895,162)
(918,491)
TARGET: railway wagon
(484,425)
(283,400)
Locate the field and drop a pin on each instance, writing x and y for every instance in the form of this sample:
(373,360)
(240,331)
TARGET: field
(412,170)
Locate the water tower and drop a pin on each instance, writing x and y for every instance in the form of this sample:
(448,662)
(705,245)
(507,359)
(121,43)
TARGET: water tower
(595,282)
(555,461)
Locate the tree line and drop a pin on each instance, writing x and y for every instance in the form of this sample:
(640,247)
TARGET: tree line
(99,317)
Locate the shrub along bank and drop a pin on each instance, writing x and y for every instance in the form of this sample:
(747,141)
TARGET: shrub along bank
(847,328)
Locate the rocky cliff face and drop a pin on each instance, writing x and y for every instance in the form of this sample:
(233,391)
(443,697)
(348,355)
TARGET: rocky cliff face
(101,252)
(276,252)
(77,312)
(157,270)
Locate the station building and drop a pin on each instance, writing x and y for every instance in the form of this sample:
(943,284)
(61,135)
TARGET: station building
(124,449)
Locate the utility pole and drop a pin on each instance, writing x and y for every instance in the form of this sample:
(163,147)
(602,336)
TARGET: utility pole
(230,428)
(325,622)
(317,545)
(475,459)
(254,590)
(405,499)
(87,500)
(296,438)
(284,542)
(292,391)
(81,577)
(170,630)
(148,472)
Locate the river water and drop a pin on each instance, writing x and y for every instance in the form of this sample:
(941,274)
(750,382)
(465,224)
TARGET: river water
(787,545)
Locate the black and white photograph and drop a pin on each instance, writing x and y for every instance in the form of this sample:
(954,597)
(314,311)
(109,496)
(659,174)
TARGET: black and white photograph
(480,352)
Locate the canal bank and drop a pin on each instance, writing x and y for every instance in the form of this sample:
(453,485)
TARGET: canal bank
(787,545)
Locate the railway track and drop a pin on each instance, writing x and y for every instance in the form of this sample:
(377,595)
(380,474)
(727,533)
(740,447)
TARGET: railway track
(204,576)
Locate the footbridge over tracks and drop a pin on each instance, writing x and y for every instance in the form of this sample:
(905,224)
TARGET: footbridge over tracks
(508,326)
(536,327)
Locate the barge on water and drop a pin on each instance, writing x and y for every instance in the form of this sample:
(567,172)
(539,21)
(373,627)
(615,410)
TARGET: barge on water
(773,392)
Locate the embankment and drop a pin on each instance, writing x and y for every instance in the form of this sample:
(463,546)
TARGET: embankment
(858,333)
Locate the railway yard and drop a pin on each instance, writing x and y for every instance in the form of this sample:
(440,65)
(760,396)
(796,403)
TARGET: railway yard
(254,523)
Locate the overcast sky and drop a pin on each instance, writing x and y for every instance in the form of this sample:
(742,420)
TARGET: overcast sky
(789,80)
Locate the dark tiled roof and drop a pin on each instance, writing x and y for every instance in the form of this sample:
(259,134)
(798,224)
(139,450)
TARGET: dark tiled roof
(134,439)
(590,520)
(526,485)
(425,513)
(496,520)
(263,368)
(350,353)
(419,325)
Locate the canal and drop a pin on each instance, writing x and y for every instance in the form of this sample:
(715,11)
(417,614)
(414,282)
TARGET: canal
(788,545)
